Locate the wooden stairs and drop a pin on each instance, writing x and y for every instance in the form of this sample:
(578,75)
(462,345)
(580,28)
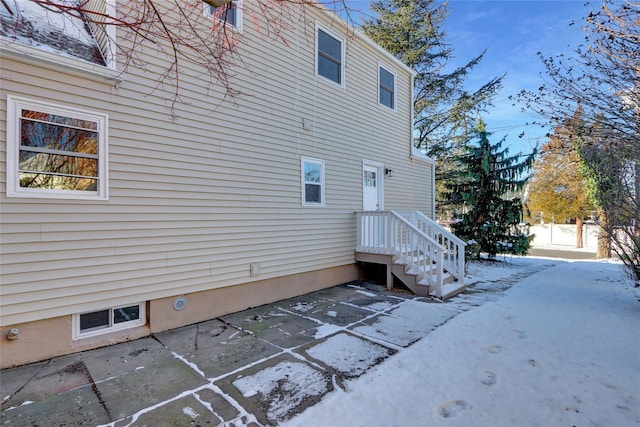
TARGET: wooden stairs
(411,277)
(416,250)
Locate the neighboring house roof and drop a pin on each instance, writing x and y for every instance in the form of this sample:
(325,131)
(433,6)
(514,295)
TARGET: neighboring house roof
(31,24)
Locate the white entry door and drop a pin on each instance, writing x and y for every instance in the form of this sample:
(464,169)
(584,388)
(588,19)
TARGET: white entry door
(371,187)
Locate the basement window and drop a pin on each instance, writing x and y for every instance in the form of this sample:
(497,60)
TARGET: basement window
(108,320)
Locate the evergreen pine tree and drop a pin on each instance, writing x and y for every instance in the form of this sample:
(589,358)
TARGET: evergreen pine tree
(444,109)
(487,174)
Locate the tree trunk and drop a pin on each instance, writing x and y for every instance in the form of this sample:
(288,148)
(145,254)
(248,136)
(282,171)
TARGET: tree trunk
(636,202)
(579,228)
(604,237)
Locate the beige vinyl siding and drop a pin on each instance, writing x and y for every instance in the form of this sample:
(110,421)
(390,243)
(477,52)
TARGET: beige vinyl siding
(194,201)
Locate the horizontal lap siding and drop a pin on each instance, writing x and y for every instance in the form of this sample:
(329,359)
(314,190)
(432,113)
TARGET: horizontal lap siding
(194,201)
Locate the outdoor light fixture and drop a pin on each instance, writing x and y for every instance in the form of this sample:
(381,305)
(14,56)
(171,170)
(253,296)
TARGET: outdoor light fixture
(388,172)
(217,3)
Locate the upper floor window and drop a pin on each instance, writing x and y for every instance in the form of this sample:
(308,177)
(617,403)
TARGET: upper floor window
(312,182)
(58,28)
(330,56)
(387,88)
(55,151)
(229,12)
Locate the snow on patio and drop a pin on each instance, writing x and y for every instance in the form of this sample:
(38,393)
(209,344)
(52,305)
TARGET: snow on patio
(348,355)
(533,342)
(559,347)
(285,386)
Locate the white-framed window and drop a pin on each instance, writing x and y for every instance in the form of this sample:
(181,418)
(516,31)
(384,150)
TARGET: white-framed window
(74,39)
(229,13)
(386,87)
(108,320)
(312,182)
(55,151)
(329,56)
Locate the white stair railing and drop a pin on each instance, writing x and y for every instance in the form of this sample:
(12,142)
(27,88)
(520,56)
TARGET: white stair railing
(387,232)
(454,261)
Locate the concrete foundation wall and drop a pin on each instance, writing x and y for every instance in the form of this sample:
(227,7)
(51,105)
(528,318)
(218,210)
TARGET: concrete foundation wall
(48,338)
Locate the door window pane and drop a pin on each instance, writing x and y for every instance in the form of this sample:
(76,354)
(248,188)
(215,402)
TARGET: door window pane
(369,179)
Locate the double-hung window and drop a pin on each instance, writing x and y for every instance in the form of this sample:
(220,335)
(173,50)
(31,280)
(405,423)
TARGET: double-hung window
(330,56)
(312,182)
(229,13)
(387,88)
(55,151)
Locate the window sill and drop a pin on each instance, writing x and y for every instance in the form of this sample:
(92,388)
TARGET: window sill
(330,82)
(113,337)
(56,195)
(385,107)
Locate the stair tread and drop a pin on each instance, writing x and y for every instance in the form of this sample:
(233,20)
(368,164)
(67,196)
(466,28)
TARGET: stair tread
(418,267)
(451,289)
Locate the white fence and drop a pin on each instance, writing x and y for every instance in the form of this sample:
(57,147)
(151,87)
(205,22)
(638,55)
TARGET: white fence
(564,235)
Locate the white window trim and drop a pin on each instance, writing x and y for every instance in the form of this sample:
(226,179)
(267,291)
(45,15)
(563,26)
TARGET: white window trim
(14,105)
(395,85)
(40,56)
(110,31)
(304,160)
(239,18)
(76,334)
(55,61)
(342,54)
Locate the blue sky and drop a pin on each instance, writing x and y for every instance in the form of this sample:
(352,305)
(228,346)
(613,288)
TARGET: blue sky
(512,31)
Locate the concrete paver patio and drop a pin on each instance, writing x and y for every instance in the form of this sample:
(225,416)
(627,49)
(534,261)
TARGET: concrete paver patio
(258,367)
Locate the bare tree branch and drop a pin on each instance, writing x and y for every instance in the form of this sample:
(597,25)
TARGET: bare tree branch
(184,32)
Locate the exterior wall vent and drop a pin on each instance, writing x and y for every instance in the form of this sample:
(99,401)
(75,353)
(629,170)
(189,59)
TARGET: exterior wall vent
(179,303)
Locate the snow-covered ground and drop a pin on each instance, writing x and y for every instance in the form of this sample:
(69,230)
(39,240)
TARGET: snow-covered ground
(560,347)
(533,342)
